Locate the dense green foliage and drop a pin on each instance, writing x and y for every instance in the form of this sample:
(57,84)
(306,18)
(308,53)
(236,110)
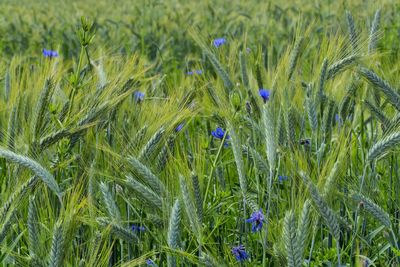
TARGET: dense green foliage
(143,140)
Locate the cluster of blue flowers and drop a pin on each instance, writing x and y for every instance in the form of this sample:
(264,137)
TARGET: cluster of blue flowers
(282,178)
(257,221)
(219,41)
(198,72)
(138,228)
(138,96)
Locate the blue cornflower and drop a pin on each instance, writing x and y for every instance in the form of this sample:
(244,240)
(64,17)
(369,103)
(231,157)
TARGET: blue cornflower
(179,127)
(138,228)
(240,253)
(257,219)
(219,41)
(49,53)
(138,96)
(150,262)
(282,178)
(219,133)
(264,93)
(198,72)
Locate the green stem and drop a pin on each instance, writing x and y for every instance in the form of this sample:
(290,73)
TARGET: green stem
(76,81)
(271,175)
(213,168)
(87,56)
(338,252)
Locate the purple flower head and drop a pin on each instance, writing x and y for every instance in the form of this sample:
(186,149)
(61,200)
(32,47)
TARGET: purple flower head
(179,127)
(150,262)
(282,178)
(219,133)
(138,228)
(257,219)
(240,253)
(219,41)
(49,53)
(264,93)
(138,96)
(198,72)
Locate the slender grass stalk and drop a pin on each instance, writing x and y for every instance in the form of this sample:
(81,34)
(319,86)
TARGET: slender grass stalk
(352,30)
(382,85)
(294,57)
(373,35)
(57,246)
(291,241)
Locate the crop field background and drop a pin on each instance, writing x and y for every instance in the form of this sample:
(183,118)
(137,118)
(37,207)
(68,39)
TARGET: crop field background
(199,133)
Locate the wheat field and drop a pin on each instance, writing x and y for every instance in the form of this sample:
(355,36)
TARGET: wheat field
(199,133)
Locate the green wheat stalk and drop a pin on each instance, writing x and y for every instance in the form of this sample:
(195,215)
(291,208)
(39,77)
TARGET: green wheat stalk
(243,69)
(294,57)
(382,85)
(151,145)
(197,196)
(373,35)
(173,231)
(304,227)
(340,66)
(352,30)
(383,146)
(11,130)
(35,167)
(189,207)
(119,231)
(141,171)
(219,69)
(112,208)
(57,246)
(42,105)
(377,112)
(145,193)
(290,240)
(376,211)
(322,79)
(325,211)
(7,85)
(237,153)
